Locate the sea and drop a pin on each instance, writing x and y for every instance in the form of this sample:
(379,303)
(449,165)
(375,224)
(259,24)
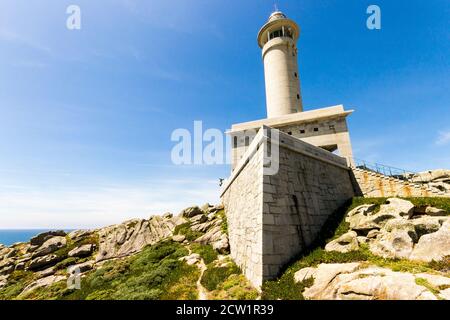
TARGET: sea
(9,237)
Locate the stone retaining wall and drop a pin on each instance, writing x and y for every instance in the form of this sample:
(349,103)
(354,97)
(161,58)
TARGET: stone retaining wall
(273,218)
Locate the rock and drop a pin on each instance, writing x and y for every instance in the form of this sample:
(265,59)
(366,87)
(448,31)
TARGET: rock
(6,266)
(382,285)
(178,238)
(132,236)
(206,207)
(433,246)
(20,266)
(212,235)
(345,243)
(398,206)
(47,272)
(40,263)
(199,219)
(435,280)
(3,281)
(351,282)
(82,251)
(425,225)
(167,215)
(373,234)
(401,224)
(191,212)
(205,226)
(395,244)
(49,246)
(42,237)
(362,240)
(12,253)
(431,211)
(32,249)
(305,274)
(80,268)
(44,282)
(7,270)
(445,294)
(222,245)
(432,175)
(191,259)
(323,275)
(79,234)
(364,218)
(358,216)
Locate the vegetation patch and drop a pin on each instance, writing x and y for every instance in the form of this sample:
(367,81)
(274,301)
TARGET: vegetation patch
(217,273)
(185,229)
(207,252)
(17,281)
(424,283)
(154,273)
(221,214)
(236,287)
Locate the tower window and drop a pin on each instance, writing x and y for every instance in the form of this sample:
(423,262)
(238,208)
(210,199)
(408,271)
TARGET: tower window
(289,133)
(316,129)
(235,141)
(298,97)
(247,141)
(276,34)
(295,74)
(302,131)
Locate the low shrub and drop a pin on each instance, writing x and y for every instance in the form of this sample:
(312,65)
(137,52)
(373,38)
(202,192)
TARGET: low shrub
(215,275)
(207,252)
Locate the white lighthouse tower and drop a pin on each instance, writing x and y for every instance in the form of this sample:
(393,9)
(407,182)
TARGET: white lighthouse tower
(278,38)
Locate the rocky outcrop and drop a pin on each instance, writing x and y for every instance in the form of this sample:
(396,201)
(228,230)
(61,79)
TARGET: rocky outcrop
(40,263)
(82,251)
(433,246)
(352,281)
(55,255)
(49,246)
(43,282)
(438,180)
(132,236)
(397,230)
(42,237)
(345,243)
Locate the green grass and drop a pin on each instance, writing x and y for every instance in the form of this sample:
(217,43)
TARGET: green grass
(17,281)
(424,283)
(285,287)
(216,275)
(222,215)
(154,273)
(235,287)
(207,252)
(185,229)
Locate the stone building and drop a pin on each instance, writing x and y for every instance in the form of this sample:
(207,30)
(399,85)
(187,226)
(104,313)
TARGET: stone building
(286,178)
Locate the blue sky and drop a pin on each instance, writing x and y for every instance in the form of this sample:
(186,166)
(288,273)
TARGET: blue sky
(86,116)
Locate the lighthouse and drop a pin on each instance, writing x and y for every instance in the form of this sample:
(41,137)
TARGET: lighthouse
(278,41)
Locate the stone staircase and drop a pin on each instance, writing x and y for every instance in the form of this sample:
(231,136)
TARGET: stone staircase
(375,184)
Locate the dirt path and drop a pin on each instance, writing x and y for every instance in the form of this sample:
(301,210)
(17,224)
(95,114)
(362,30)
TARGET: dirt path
(202,292)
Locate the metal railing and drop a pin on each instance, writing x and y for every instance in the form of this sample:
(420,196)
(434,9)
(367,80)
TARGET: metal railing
(389,171)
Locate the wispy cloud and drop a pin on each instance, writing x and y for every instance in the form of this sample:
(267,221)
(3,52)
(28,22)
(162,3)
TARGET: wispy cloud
(23,207)
(19,39)
(443,138)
